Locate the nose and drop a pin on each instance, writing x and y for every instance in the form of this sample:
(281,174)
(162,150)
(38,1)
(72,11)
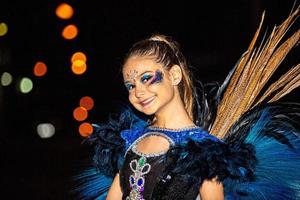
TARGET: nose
(139,90)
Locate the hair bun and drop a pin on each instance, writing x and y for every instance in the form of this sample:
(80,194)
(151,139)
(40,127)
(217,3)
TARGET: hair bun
(159,38)
(165,39)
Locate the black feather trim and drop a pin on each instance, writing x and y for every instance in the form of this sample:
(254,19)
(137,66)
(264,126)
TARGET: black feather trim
(192,163)
(109,147)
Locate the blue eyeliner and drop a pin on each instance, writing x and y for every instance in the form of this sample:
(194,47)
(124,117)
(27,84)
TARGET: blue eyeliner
(145,78)
(129,86)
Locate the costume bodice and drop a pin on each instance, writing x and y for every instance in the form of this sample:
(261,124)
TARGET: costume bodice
(141,172)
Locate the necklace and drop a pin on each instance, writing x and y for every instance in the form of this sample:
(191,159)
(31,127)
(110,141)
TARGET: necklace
(172,129)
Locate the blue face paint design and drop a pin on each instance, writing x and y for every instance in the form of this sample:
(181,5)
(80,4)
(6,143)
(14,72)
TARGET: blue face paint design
(129,86)
(147,79)
(158,77)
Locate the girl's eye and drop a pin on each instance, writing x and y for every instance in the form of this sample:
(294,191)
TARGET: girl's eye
(146,78)
(129,86)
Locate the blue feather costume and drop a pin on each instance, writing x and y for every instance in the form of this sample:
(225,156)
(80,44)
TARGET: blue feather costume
(259,159)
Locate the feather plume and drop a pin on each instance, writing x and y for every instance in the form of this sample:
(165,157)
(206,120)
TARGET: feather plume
(253,71)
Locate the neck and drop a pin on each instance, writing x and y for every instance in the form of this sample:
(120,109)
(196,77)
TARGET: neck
(173,115)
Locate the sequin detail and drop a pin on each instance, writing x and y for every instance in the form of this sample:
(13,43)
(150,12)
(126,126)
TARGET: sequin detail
(137,180)
(148,155)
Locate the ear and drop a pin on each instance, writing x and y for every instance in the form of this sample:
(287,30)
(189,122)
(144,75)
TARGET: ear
(175,74)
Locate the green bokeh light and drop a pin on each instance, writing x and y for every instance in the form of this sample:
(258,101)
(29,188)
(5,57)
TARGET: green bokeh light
(26,85)
(6,79)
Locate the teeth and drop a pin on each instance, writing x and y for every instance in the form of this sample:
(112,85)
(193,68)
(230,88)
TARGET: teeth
(148,100)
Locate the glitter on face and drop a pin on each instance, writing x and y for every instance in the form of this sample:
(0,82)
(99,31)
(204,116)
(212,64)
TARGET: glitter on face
(148,79)
(132,74)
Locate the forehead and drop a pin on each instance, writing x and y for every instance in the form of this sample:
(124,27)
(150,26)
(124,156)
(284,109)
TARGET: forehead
(139,65)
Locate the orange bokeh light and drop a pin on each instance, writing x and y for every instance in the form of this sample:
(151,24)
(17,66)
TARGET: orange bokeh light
(39,69)
(85,129)
(64,11)
(80,113)
(78,56)
(86,102)
(70,32)
(78,67)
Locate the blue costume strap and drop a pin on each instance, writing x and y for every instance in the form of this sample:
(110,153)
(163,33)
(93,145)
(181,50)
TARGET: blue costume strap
(130,135)
(178,136)
(181,136)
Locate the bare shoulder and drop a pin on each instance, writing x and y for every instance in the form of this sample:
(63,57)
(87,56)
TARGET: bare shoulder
(211,190)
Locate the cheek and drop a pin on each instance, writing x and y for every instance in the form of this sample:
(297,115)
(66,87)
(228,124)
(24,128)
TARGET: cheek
(152,88)
(161,87)
(131,98)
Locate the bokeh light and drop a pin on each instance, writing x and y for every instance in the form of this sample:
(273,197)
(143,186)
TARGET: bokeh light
(80,113)
(26,85)
(40,69)
(78,67)
(85,129)
(3,29)
(78,56)
(45,130)
(87,102)
(70,32)
(6,79)
(64,11)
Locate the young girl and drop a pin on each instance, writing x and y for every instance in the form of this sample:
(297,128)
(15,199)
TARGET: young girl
(173,154)
(159,84)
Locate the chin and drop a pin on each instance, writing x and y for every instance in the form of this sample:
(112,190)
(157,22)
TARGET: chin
(147,111)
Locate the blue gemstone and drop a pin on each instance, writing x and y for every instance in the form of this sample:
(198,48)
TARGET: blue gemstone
(131,180)
(140,182)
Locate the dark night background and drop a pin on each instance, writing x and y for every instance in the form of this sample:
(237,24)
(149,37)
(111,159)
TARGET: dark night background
(213,35)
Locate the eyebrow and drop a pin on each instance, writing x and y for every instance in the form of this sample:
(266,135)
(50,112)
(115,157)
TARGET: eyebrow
(139,75)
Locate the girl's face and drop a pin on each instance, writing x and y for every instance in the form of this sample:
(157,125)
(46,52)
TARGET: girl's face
(149,85)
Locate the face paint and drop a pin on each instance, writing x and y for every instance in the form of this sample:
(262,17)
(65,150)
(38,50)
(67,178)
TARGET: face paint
(132,74)
(158,77)
(129,86)
(146,77)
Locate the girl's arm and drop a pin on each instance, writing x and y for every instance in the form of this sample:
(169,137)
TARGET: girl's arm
(115,192)
(211,190)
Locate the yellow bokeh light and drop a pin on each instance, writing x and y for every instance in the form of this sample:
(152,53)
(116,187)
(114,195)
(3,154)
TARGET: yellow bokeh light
(64,11)
(3,29)
(78,67)
(78,56)
(70,32)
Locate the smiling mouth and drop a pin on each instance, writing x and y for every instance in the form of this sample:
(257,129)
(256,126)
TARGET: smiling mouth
(147,101)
